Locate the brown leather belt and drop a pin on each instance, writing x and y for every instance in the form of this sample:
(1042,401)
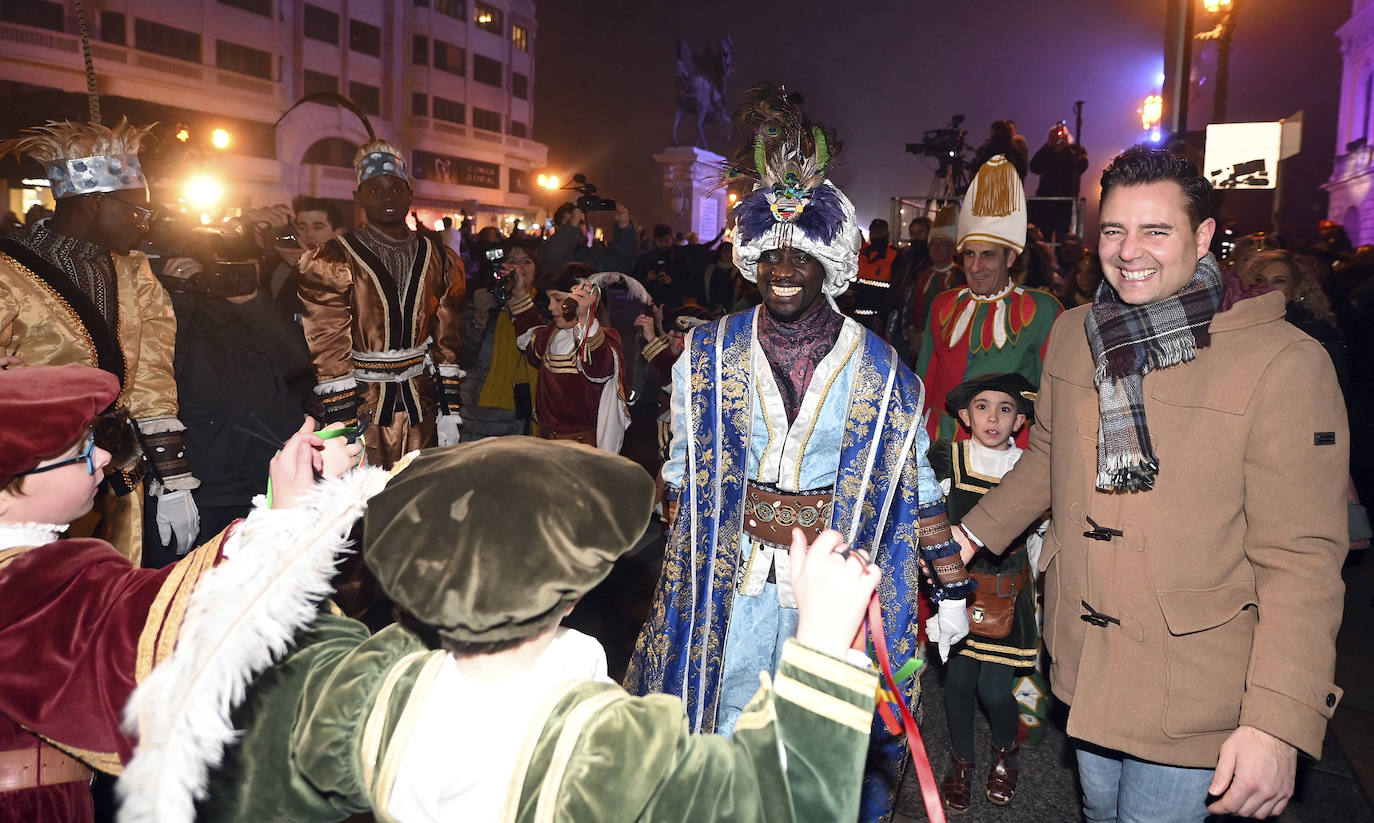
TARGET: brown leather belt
(1005,585)
(770,516)
(588,437)
(41,765)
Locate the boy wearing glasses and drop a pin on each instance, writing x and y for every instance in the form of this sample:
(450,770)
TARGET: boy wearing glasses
(73,290)
(79,626)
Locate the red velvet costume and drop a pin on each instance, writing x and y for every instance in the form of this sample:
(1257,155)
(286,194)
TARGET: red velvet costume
(80,628)
(567,397)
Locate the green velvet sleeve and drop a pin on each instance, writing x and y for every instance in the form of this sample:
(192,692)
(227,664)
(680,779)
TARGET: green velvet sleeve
(297,758)
(797,753)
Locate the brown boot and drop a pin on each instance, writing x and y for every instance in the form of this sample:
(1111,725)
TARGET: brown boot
(955,789)
(1001,778)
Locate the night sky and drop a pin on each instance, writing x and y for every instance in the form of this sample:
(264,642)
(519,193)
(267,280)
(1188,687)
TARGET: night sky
(882,71)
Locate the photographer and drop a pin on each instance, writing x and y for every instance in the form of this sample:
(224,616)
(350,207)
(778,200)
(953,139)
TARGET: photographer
(1060,164)
(315,222)
(243,374)
(497,392)
(665,271)
(568,243)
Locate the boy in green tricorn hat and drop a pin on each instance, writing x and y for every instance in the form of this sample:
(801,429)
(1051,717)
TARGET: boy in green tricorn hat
(478,705)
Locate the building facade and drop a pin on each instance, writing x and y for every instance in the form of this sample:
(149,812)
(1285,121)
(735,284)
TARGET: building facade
(449,81)
(1351,187)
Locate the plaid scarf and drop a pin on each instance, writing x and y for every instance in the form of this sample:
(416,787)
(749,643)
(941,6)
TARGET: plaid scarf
(1127,343)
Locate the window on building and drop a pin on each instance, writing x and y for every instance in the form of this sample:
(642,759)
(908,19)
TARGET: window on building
(113,27)
(486,120)
(368,98)
(1368,105)
(419,104)
(488,18)
(166,40)
(453,8)
(242,59)
(318,82)
(450,58)
(364,38)
(331,151)
(419,50)
(518,129)
(486,70)
(263,7)
(520,86)
(43,14)
(520,37)
(449,110)
(321,24)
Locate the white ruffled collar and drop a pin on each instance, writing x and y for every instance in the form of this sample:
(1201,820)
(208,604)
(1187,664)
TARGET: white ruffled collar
(29,534)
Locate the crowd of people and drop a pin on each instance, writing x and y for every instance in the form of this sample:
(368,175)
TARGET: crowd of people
(982,439)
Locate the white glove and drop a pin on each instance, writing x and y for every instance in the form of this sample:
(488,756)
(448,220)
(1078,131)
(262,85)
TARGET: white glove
(177,516)
(448,426)
(948,626)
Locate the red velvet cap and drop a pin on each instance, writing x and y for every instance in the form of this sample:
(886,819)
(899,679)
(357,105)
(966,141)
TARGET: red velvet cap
(43,409)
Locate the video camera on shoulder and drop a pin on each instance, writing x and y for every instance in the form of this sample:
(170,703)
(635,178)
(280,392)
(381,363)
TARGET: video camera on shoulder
(589,201)
(229,258)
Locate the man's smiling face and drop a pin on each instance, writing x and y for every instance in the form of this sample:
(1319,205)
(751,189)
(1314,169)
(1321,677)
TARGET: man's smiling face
(790,282)
(1148,245)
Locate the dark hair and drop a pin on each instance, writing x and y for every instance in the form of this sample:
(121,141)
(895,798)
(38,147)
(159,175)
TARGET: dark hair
(528,246)
(329,207)
(921,221)
(877,223)
(663,230)
(1141,165)
(562,211)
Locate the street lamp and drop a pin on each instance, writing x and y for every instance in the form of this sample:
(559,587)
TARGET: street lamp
(548,181)
(1151,112)
(1224,32)
(219,138)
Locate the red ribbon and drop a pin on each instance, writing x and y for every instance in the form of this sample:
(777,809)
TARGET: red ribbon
(930,791)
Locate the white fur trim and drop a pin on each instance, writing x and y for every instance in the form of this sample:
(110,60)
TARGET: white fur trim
(160,424)
(840,258)
(242,618)
(338,384)
(446,370)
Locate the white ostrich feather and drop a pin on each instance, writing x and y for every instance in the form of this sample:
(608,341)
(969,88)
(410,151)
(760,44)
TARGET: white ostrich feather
(241,619)
(636,288)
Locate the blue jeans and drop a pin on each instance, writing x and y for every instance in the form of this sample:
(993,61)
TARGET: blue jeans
(753,644)
(1117,787)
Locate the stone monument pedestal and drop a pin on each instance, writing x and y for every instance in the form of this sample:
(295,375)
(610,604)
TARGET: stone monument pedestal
(689,175)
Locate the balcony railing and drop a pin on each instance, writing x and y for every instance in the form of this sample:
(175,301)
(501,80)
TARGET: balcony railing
(1353,163)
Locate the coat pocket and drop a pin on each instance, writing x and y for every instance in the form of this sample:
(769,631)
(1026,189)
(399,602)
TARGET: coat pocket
(1206,654)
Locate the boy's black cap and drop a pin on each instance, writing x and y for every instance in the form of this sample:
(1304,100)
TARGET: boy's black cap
(1014,384)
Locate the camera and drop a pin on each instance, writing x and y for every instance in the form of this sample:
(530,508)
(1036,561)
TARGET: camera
(589,201)
(946,145)
(500,287)
(286,237)
(229,258)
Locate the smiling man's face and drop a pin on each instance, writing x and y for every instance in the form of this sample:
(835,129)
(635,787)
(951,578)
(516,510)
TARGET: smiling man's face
(790,282)
(385,200)
(1148,245)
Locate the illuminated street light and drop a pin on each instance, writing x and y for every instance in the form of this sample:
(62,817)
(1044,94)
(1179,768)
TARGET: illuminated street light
(551,182)
(204,193)
(733,198)
(543,181)
(183,134)
(1214,6)
(1151,112)
(219,138)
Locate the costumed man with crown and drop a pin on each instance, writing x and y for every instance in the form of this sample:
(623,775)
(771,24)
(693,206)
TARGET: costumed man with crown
(991,325)
(790,414)
(73,290)
(382,310)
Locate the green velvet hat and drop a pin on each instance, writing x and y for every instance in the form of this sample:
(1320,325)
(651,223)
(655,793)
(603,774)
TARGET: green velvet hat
(493,540)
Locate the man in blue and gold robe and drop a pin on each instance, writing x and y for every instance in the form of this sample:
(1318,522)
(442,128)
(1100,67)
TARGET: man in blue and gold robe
(791,415)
